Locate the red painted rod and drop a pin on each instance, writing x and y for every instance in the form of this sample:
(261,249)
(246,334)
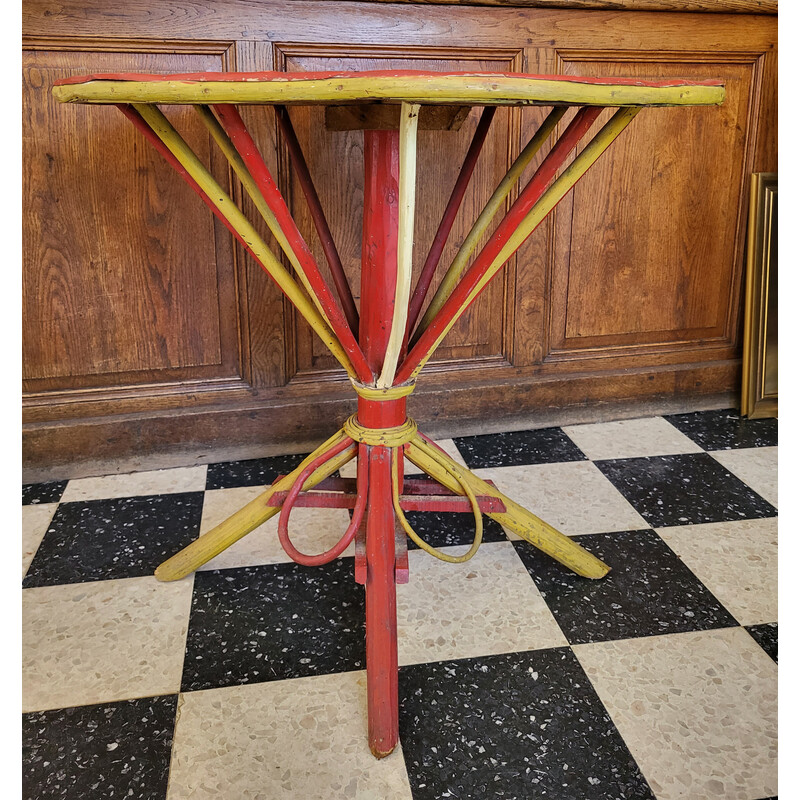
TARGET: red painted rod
(449,217)
(318,216)
(234,126)
(133,115)
(574,132)
(355,522)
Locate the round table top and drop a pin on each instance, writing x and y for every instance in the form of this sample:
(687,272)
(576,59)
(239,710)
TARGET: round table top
(384,86)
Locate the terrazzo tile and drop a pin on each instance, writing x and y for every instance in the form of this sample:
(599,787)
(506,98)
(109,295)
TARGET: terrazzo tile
(514,726)
(450,528)
(767,637)
(629,438)
(273,622)
(305,738)
(120,538)
(756,466)
(35,521)
(253,472)
(484,606)
(575,497)
(136,484)
(518,448)
(684,489)
(112,750)
(34,493)
(697,710)
(725,429)
(100,642)
(312,530)
(648,591)
(737,561)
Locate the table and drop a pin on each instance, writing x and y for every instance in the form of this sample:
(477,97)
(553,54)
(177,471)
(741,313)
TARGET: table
(384,344)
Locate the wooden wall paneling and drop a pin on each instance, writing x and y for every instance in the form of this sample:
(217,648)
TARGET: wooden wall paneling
(307,21)
(615,289)
(129,286)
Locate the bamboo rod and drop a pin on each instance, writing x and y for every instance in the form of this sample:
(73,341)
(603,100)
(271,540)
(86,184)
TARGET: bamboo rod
(236,219)
(449,216)
(486,216)
(420,451)
(240,168)
(457,304)
(255,513)
(409,116)
(318,217)
(429,88)
(234,126)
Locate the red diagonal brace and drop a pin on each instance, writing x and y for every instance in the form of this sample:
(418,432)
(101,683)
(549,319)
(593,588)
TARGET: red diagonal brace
(234,126)
(575,131)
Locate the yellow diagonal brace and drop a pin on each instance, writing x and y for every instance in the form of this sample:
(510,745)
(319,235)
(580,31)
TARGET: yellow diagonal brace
(546,203)
(255,513)
(486,216)
(240,168)
(192,164)
(407,181)
(516,518)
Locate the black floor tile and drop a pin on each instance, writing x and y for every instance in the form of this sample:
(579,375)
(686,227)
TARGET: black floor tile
(255,472)
(684,489)
(111,750)
(445,528)
(513,726)
(127,537)
(726,430)
(767,636)
(649,590)
(518,448)
(33,493)
(272,622)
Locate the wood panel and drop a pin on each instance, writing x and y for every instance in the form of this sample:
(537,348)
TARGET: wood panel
(150,339)
(126,275)
(662,266)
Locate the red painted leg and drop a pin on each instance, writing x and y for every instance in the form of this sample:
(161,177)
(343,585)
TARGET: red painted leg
(381,607)
(378,276)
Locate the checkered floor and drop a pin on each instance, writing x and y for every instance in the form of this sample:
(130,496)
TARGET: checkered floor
(517,680)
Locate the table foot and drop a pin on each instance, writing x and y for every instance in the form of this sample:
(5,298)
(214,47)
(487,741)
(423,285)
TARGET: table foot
(255,513)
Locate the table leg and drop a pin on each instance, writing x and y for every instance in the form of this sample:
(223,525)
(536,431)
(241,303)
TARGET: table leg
(381,607)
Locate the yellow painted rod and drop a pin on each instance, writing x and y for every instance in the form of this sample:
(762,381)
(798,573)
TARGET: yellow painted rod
(516,518)
(205,180)
(248,518)
(546,203)
(240,168)
(486,216)
(446,89)
(406,189)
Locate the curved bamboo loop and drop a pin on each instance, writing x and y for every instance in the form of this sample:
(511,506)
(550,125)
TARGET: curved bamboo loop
(237,220)
(248,518)
(422,452)
(291,497)
(415,537)
(486,216)
(409,117)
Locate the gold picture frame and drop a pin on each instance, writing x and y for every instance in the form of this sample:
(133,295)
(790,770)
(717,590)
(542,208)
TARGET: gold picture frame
(760,347)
